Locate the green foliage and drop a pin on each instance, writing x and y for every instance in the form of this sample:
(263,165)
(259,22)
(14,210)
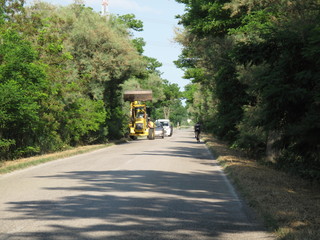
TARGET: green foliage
(231,95)
(83,116)
(172,96)
(104,59)
(188,94)
(62,70)
(11,8)
(251,138)
(130,22)
(153,65)
(288,90)
(207,17)
(259,61)
(139,43)
(179,113)
(22,82)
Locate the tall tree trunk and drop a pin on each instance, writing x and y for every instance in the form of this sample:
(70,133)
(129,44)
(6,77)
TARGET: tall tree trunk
(166,112)
(272,153)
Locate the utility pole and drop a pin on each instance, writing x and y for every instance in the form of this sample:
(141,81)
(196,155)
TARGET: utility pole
(105,5)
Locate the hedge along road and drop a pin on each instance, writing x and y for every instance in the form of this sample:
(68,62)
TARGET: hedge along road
(160,189)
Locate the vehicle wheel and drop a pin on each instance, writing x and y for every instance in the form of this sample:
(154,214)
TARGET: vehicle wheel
(151,135)
(133,137)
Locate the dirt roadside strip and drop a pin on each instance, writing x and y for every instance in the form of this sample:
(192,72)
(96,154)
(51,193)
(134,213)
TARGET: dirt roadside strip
(289,206)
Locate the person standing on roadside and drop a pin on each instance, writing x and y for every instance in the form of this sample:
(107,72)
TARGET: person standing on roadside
(151,127)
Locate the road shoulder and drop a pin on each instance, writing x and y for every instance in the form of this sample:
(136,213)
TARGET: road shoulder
(289,206)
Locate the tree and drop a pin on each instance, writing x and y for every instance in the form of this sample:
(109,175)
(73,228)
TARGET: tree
(285,86)
(22,83)
(62,73)
(207,60)
(131,22)
(179,113)
(172,94)
(67,121)
(11,9)
(254,57)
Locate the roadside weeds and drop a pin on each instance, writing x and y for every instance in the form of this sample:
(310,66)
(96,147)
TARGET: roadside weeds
(288,205)
(10,166)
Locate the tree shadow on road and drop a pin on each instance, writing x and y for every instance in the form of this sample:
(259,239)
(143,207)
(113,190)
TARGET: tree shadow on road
(138,204)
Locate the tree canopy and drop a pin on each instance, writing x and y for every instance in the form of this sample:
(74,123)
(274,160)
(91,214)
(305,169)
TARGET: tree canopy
(255,64)
(62,74)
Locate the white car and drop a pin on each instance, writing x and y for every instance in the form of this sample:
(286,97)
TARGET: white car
(168,128)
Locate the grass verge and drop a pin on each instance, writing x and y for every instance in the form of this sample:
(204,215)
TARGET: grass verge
(289,206)
(10,166)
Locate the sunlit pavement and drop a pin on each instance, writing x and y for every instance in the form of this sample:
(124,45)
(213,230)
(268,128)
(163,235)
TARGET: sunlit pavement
(162,189)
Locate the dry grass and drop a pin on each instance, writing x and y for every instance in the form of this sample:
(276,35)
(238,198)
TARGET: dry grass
(289,206)
(9,166)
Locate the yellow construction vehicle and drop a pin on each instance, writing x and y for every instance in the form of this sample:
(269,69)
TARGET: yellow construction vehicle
(140,123)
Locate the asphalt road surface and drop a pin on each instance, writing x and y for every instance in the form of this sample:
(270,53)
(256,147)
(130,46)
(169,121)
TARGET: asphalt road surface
(163,189)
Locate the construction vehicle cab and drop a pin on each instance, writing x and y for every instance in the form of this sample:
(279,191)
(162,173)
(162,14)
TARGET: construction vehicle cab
(139,124)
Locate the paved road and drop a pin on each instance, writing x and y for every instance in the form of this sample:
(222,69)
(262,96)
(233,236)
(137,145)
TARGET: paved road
(166,189)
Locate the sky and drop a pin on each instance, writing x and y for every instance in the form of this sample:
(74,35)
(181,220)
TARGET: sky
(158,17)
